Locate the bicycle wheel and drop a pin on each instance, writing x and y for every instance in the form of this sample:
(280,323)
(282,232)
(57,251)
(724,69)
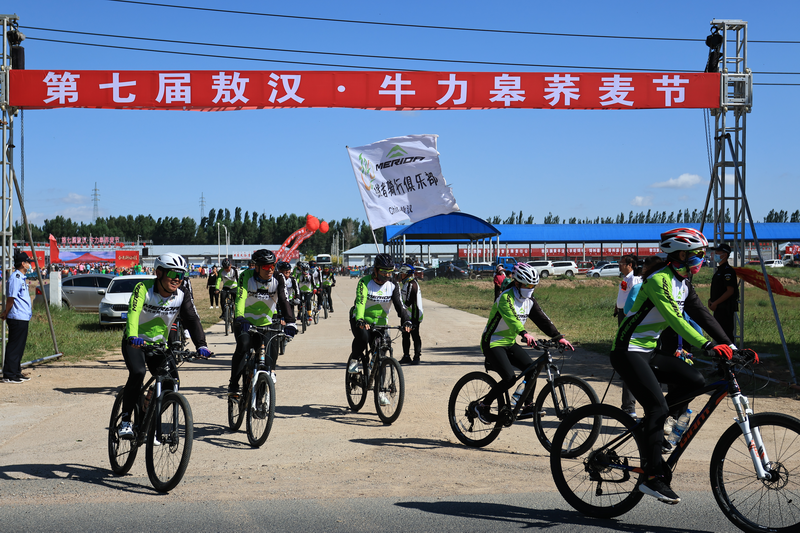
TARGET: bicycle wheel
(174,430)
(466,425)
(237,406)
(316,313)
(592,459)
(260,410)
(556,401)
(390,390)
(304,317)
(355,385)
(325,306)
(226,317)
(750,503)
(121,452)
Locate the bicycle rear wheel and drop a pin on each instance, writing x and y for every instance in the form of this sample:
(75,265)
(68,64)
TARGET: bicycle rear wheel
(750,503)
(556,401)
(304,317)
(355,385)
(238,406)
(390,390)
(592,460)
(325,306)
(169,442)
(466,426)
(121,452)
(261,413)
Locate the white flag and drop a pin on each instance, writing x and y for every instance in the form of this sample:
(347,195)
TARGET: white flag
(400,178)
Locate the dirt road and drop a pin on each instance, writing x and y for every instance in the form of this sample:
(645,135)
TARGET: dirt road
(53,429)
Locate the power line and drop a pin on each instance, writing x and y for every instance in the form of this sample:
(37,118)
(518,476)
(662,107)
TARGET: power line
(308,63)
(429,27)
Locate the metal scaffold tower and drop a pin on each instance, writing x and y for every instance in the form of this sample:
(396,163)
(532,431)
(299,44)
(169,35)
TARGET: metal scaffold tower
(728,56)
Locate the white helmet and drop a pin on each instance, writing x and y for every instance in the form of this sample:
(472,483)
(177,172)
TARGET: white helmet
(525,274)
(171,261)
(679,239)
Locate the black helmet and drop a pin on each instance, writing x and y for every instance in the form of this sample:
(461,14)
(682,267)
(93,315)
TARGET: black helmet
(263,257)
(312,264)
(283,266)
(226,263)
(384,261)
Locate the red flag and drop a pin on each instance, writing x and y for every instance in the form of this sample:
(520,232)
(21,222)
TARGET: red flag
(755,278)
(54,257)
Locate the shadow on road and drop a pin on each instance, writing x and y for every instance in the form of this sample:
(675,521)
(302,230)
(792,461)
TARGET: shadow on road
(84,473)
(221,436)
(530,518)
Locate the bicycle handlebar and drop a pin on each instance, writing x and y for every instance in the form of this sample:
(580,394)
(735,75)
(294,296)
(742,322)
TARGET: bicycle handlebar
(744,357)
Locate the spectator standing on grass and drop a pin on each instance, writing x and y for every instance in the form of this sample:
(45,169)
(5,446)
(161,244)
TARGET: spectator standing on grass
(627,264)
(17,315)
(499,277)
(211,285)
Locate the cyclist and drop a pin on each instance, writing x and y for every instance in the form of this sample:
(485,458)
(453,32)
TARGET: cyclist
(375,293)
(186,287)
(316,281)
(306,284)
(153,306)
(328,280)
(227,282)
(506,322)
(664,296)
(259,296)
(292,289)
(412,299)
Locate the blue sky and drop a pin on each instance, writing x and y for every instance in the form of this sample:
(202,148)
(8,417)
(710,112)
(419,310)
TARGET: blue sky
(573,163)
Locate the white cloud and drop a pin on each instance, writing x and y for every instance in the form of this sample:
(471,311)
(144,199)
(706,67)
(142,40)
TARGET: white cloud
(684,181)
(642,201)
(75,198)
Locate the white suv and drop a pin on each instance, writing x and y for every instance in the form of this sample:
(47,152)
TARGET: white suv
(544,268)
(565,268)
(611,269)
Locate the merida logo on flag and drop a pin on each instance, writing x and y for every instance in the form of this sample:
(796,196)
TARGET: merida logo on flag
(397,156)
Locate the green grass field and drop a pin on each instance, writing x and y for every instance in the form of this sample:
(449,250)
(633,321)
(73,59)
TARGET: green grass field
(583,308)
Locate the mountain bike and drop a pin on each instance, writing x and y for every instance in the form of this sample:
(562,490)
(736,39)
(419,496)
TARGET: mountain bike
(162,419)
(256,388)
(323,301)
(376,370)
(228,310)
(560,396)
(598,456)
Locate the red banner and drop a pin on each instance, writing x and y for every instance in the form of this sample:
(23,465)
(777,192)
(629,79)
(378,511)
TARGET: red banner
(126,258)
(756,278)
(229,90)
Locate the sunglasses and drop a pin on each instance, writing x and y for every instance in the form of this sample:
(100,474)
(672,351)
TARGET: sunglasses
(386,270)
(176,275)
(528,285)
(697,253)
(268,267)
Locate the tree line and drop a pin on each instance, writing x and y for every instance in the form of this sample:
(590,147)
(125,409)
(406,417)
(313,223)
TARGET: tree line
(243,228)
(651,217)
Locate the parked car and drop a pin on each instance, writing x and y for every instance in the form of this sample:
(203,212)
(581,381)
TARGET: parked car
(611,269)
(565,268)
(599,264)
(82,292)
(113,307)
(774,263)
(584,266)
(544,268)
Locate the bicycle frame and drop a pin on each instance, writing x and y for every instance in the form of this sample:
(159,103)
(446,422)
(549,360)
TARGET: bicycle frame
(380,341)
(531,375)
(255,365)
(162,375)
(728,385)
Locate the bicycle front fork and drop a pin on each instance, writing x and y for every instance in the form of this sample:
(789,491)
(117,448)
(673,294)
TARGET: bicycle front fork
(752,436)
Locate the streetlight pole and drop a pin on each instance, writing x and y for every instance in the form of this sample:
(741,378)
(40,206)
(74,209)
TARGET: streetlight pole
(219,259)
